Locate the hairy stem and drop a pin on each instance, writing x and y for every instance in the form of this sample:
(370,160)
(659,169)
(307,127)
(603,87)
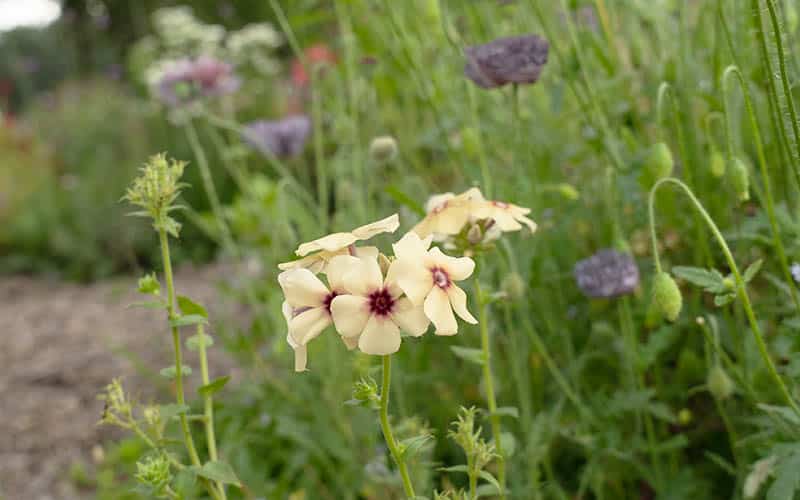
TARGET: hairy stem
(391,442)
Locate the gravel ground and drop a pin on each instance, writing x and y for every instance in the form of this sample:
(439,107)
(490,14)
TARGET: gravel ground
(60,344)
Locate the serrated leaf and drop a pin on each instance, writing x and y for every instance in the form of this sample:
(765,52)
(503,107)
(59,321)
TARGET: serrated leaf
(506,411)
(150,304)
(214,386)
(220,472)
(171,410)
(198,340)
(413,445)
(724,300)
(752,270)
(188,320)
(783,412)
(170,372)
(468,354)
(190,307)
(703,278)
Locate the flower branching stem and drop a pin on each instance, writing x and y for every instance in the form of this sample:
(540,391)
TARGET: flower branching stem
(740,284)
(391,442)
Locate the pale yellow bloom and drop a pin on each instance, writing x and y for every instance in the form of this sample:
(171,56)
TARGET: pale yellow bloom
(300,351)
(316,254)
(428,277)
(373,311)
(507,217)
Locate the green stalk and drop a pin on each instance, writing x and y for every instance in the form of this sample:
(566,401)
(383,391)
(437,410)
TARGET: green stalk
(488,383)
(208,403)
(319,153)
(387,429)
(740,284)
(762,162)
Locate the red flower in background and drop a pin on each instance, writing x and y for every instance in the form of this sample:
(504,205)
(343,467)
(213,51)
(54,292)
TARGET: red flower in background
(318,54)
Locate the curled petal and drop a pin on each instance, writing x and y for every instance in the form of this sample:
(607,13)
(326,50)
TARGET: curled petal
(330,243)
(350,314)
(458,268)
(387,225)
(458,299)
(410,318)
(381,337)
(307,325)
(438,310)
(301,288)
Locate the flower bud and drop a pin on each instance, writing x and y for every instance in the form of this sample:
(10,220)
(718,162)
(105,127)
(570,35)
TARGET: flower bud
(717,164)
(475,235)
(383,149)
(659,162)
(568,191)
(667,297)
(719,383)
(154,472)
(514,286)
(740,178)
(149,285)
(365,393)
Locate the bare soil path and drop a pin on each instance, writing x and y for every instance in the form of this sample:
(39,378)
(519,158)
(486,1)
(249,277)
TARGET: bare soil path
(60,344)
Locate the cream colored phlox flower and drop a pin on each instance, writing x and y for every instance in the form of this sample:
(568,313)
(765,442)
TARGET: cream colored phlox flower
(428,277)
(316,254)
(449,213)
(373,309)
(307,306)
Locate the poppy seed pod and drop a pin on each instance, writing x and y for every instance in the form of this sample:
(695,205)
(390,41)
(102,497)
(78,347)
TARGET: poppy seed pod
(717,164)
(719,383)
(740,178)
(383,149)
(659,162)
(667,298)
(517,60)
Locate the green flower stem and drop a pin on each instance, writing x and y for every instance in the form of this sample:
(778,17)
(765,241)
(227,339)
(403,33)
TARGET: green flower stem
(488,383)
(208,403)
(394,449)
(740,284)
(473,478)
(762,162)
(319,153)
(475,120)
(180,398)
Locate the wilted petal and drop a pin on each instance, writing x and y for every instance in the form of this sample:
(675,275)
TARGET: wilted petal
(301,288)
(350,314)
(410,318)
(516,59)
(438,310)
(381,337)
(458,299)
(330,243)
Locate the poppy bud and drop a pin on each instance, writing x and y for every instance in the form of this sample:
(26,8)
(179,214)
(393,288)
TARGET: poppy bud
(383,149)
(717,164)
(667,297)
(659,162)
(740,178)
(719,383)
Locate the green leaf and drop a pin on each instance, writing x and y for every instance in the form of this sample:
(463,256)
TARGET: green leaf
(170,372)
(214,386)
(220,472)
(489,478)
(172,410)
(198,340)
(455,468)
(787,480)
(403,199)
(507,411)
(752,270)
(784,412)
(413,445)
(724,300)
(468,354)
(191,319)
(698,276)
(509,443)
(486,490)
(150,304)
(189,307)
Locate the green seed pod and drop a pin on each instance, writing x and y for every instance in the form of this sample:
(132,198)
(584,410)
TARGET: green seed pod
(719,383)
(514,286)
(740,178)
(717,164)
(383,149)
(568,191)
(667,296)
(659,161)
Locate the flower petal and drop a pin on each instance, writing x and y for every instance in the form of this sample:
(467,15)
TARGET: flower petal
(330,243)
(413,279)
(301,288)
(350,314)
(306,262)
(364,277)
(437,201)
(387,225)
(337,270)
(412,247)
(300,354)
(381,336)
(367,252)
(438,310)
(458,299)
(410,318)
(307,325)
(458,268)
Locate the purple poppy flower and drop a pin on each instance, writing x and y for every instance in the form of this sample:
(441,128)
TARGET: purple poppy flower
(282,138)
(607,274)
(186,80)
(517,59)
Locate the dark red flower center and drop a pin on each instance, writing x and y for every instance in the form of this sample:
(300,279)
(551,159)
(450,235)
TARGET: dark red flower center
(381,302)
(328,299)
(440,277)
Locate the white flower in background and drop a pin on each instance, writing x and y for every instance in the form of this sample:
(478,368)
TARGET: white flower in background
(758,475)
(795,270)
(257,36)
(373,310)
(316,254)
(183,34)
(428,278)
